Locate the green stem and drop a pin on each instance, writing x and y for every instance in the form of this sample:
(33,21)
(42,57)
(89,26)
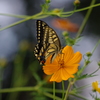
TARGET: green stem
(19,89)
(79,96)
(86,8)
(37,16)
(67,91)
(85,20)
(94,49)
(21,21)
(62,90)
(72,12)
(36,77)
(53,90)
(16,23)
(49,13)
(85,64)
(51,96)
(80,88)
(95,71)
(13,15)
(96,46)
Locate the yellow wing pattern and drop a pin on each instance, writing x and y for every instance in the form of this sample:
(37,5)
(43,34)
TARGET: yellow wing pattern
(48,42)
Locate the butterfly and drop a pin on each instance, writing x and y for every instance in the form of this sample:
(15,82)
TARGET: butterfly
(48,42)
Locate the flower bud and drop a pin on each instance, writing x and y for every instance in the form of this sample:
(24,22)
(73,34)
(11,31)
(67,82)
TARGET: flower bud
(87,62)
(47,1)
(88,54)
(76,2)
(99,63)
(65,33)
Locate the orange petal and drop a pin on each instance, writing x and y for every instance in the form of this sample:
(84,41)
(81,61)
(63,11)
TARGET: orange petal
(65,24)
(72,69)
(76,58)
(65,75)
(50,69)
(68,53)
(56,76)
(60,75)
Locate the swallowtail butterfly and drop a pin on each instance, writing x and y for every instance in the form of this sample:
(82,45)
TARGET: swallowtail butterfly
(48,42)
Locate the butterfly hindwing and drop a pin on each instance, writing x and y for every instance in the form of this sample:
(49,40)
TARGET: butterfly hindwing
(48,42)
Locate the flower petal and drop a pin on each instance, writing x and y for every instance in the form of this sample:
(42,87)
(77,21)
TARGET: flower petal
(50,69)
(68,53)
(95,85)
(56,76)
(72,69)
(64,65)
(60,75)
(75,59)
(65,75)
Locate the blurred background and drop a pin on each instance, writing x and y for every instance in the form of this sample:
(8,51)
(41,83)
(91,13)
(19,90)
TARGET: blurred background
(17,44)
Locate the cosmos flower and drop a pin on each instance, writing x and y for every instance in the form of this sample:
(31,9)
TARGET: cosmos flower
(65,24)
(95,86)
(64,65)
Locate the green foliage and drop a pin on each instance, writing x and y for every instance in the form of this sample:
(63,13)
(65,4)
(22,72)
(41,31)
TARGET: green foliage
(30,71)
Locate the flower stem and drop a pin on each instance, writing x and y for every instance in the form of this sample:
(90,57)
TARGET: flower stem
(79,96)
(19,89)
(62,90)
(49,13)
(50,96)
(96,46)
(85,64)
(67,91)
(53,90)
(85,8)
(85,20)
(13,15)
(23,20)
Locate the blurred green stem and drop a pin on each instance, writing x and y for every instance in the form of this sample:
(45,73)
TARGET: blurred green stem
(69,12)
(19,89)
(85,20)
(78,35)
(79,96)
(50,96)
(21,21)
(53,90)
(67,91)
(85,64)
(44,15)
(62,90)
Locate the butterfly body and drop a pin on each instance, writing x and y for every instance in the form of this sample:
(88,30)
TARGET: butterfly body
(48,42)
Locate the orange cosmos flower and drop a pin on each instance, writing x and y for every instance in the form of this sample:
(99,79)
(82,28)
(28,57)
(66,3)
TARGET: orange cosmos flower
(65,24)
(64,65)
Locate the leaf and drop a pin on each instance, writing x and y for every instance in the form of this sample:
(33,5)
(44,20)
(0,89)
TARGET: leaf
(85,76)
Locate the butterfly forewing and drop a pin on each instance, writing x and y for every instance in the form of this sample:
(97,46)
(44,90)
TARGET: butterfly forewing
(48,42)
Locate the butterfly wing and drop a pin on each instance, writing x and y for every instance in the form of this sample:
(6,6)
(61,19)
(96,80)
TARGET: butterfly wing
(54,44)
(48,42)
